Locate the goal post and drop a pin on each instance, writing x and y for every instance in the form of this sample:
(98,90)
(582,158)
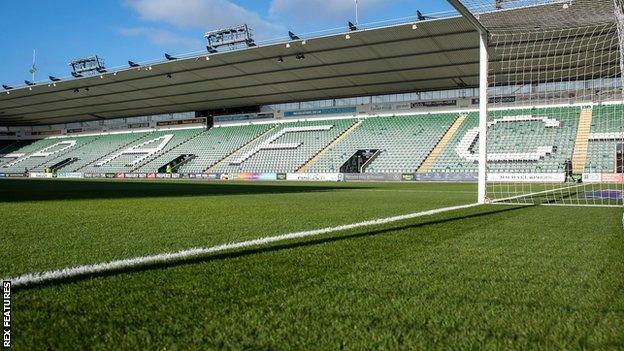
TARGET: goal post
(550,124)
(483,115)
(483,97)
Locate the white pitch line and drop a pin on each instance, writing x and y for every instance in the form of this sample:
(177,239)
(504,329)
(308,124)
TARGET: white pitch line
(536,193)
(418,191)
(168,257)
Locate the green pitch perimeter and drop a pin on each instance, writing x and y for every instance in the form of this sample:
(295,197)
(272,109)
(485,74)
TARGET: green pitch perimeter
(490,277)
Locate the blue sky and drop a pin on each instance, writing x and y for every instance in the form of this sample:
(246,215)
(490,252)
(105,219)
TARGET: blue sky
(140,30)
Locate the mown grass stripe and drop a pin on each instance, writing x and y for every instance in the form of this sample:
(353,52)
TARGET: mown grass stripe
(169,257)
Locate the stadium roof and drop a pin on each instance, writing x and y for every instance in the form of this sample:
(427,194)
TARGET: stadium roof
(437,55)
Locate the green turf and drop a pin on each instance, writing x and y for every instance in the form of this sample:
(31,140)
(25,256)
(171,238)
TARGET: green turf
(490,277)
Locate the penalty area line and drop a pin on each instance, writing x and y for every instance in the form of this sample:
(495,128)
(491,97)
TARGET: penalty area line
(170,257)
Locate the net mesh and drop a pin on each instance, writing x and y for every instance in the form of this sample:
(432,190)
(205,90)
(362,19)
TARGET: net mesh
(556,112)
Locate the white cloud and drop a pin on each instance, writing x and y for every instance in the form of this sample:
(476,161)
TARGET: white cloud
(323,10)
(162,37)
(204,15)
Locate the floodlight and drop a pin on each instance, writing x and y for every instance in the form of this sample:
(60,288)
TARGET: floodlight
(87,65)
(233,37)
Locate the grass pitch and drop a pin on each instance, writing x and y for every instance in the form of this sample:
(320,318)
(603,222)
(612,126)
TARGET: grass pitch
(489,277)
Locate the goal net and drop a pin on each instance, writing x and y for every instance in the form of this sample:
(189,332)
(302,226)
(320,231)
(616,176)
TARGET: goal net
(555,121)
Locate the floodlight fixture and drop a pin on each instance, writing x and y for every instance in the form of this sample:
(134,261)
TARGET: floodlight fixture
(236,37)
(87,66)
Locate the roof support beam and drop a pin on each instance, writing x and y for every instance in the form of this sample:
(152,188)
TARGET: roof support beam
(468,16)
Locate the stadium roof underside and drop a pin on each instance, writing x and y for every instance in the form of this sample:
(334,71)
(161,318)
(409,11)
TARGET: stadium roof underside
(440,54)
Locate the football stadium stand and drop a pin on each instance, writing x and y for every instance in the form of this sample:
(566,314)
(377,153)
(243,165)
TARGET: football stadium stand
(404,142)
(538,141)
(98,149)
(216,144)
(129,158)
(525,140)
(180,137)
(287,148)
(34,154)
(607,130)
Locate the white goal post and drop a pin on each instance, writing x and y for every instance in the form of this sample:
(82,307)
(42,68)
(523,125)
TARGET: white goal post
(550,126)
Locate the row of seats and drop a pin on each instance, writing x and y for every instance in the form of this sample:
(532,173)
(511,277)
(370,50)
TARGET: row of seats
(509,142)
(163,156)
(519,140)
(37,154)
(404,142)
(299,147)
(126,162)
(601,152)
(217,143)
